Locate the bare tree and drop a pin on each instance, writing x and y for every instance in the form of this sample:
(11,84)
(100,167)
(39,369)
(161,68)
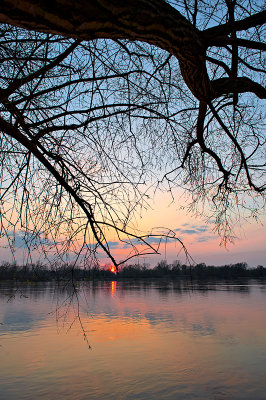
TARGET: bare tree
(100,100)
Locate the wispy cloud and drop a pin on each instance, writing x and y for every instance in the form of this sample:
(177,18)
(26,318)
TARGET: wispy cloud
(206,238)
(22,239)
(202,233)
(113,245)
(189,231)
(192,229)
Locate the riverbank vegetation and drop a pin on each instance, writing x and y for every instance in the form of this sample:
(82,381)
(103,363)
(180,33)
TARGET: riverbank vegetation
(39,272)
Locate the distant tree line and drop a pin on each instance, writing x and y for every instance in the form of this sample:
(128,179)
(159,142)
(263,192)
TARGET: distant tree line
(39,272)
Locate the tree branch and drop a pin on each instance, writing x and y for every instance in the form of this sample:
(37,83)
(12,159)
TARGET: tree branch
(151,21)
(201,141)
(238,147)
(22,81)
(22,139)
(221,41)
(242,25)
(238,85)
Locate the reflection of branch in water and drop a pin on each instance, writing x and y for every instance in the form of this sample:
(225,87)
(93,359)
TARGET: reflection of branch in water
(75,293)
(71,302)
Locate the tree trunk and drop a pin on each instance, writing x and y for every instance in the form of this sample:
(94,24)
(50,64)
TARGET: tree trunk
(151,21)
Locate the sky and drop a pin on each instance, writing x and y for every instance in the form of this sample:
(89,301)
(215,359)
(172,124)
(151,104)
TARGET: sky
(201,241)
(203,244)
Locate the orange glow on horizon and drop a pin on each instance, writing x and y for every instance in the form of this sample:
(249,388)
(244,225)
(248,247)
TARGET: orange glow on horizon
(112,269)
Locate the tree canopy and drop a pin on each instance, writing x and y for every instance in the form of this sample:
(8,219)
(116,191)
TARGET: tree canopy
(100,100)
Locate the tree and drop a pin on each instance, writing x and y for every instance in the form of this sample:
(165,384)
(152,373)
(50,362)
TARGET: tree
(99,99)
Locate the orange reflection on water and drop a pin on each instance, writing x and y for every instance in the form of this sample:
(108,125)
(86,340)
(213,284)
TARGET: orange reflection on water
(158,341)
(113,288)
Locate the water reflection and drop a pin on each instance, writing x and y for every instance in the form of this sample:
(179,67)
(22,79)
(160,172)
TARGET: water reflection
(150,340)
(113,288)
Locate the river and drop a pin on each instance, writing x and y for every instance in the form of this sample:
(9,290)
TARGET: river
(133,340)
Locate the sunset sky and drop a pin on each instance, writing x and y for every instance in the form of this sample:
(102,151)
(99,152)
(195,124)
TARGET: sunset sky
(152,134)
(197,234)
(203,244)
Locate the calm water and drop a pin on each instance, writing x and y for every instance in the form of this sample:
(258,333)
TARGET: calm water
(148,341)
